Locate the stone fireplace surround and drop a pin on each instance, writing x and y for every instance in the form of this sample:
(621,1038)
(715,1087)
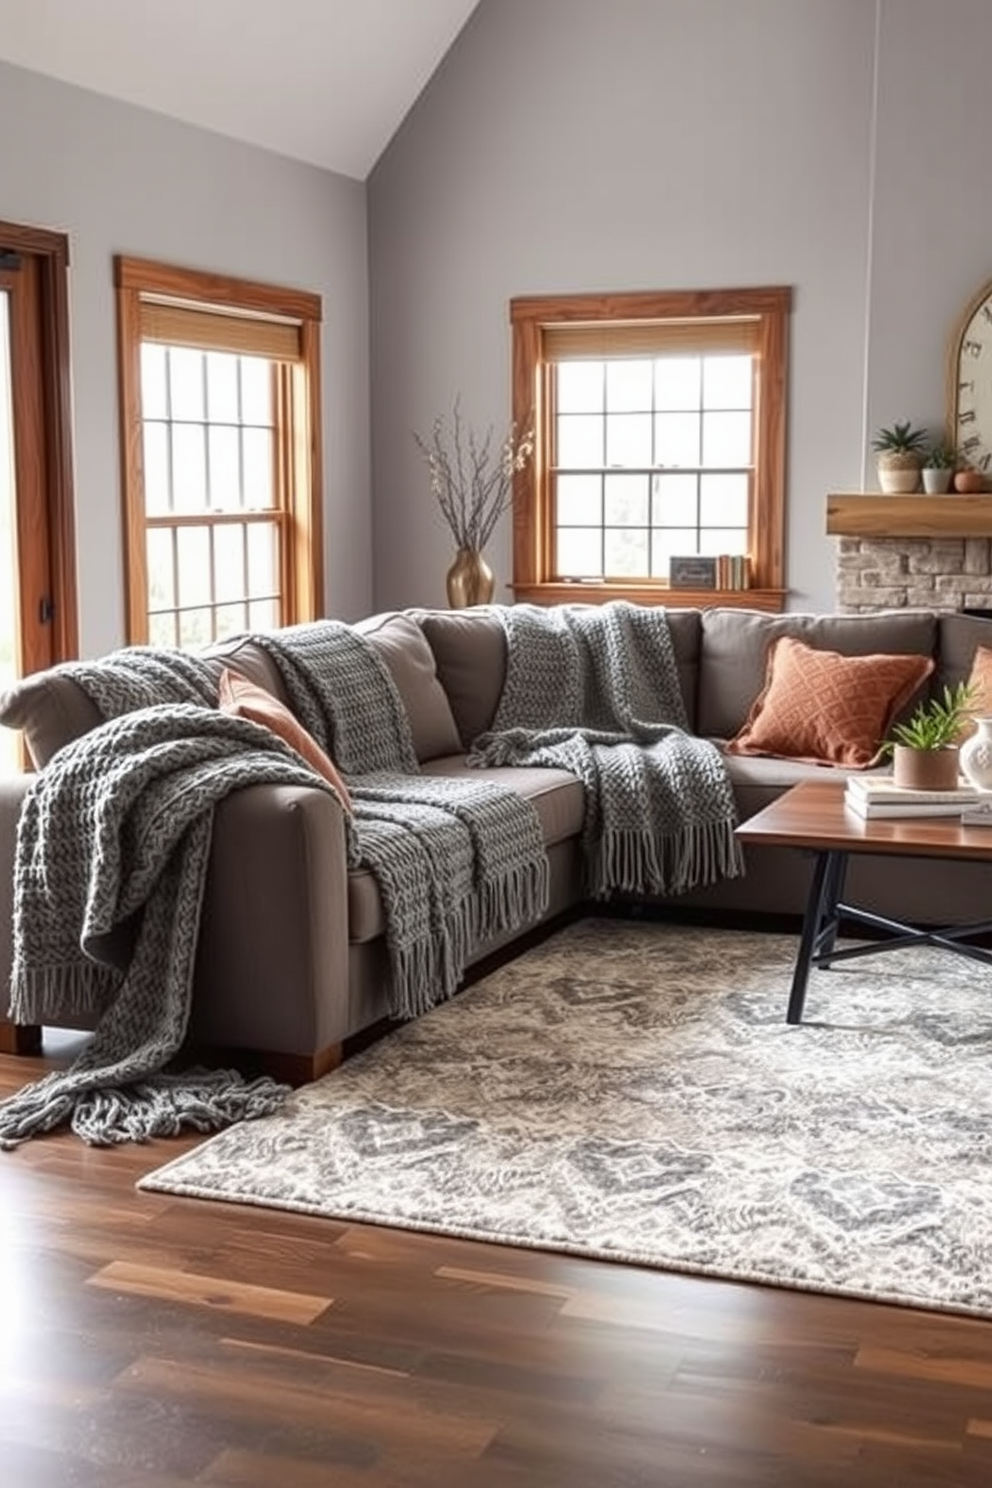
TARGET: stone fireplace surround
(943,573)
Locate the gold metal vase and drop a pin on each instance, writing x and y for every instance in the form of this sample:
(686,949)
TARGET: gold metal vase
(469,580)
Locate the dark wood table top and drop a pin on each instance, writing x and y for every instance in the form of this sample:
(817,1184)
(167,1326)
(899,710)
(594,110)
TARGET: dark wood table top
(813,815)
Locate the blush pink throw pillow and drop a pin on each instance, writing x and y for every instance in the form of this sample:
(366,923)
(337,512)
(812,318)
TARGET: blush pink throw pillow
(245,699)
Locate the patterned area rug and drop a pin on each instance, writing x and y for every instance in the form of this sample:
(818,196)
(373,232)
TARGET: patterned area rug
(632,1091)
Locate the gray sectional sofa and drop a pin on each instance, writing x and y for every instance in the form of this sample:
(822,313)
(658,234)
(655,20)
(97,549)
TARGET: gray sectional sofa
(291,958)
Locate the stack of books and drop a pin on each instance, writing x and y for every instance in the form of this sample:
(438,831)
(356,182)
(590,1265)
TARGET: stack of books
(875,796)
(733,571)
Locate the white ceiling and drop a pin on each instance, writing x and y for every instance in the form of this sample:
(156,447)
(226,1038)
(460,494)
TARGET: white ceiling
(324,81)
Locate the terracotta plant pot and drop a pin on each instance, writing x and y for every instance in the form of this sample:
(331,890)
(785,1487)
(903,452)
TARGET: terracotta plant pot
(969,481)
(925,769)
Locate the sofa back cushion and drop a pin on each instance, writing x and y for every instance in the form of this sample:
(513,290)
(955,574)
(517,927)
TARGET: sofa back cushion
(249,660)
(470,650)
(686,628)
(958,639)
(403,646)
(735,647)
(51,710)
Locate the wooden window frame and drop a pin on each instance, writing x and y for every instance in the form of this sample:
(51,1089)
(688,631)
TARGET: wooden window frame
(299,475)
(46,530)
(531,318)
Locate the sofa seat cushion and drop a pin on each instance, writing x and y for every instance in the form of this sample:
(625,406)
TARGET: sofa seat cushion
(558,798)
(758,780)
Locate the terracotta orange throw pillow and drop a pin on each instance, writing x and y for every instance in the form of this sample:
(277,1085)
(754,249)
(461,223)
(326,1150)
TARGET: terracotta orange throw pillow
(825,708)
(246,700)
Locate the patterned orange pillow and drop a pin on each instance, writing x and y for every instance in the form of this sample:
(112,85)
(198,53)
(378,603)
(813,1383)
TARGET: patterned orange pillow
(825,708)
(246,700)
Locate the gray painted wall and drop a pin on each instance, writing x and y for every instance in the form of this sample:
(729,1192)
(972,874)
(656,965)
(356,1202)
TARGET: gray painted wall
(574,145)
(120,179)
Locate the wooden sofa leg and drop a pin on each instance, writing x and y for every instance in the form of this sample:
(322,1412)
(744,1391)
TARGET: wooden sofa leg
(20,1038)
(301,1069)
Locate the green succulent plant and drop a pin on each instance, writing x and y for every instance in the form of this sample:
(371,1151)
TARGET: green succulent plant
(941,457)
(903,439)
(936,724)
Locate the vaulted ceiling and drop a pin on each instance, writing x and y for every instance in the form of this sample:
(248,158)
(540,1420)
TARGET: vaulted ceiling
(323,81)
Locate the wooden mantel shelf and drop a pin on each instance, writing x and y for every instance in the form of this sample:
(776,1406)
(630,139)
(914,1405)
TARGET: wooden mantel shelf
(872,514)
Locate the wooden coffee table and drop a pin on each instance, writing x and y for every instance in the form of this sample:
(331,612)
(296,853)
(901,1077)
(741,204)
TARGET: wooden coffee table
(812,816)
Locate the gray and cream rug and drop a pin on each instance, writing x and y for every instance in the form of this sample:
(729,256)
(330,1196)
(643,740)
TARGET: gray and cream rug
(632,1091)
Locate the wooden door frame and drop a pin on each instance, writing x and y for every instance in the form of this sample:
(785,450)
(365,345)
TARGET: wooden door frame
(44,459)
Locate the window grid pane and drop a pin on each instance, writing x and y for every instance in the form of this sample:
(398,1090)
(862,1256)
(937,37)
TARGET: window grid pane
(688,415)
(209,453)
(207,579)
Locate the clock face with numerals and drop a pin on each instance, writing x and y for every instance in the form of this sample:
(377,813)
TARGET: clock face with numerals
(971,383)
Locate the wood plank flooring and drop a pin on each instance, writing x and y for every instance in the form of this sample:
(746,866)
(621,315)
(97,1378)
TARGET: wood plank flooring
(149,1341)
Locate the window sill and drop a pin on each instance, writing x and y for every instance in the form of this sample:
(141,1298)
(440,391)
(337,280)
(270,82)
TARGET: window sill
(770,600)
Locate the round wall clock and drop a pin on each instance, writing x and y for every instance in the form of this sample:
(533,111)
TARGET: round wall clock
(970,379)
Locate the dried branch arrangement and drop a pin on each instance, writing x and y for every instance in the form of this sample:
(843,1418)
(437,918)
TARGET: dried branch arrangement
(472,479)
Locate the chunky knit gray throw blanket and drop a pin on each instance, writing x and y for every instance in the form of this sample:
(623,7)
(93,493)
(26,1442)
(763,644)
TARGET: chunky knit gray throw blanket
(457,861)
(112,848)
(113,843)
(594,689)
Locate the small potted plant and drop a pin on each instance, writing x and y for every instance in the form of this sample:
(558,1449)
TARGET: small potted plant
(939,465)
(924,750)
(969,480)
(900,450)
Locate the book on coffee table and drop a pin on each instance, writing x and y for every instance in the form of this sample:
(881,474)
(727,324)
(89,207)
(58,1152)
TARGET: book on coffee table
(879,797)
(884,788)
(979,815)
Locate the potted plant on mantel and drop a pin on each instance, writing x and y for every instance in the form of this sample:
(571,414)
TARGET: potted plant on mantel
(924,750)
(900,450)
(939,465)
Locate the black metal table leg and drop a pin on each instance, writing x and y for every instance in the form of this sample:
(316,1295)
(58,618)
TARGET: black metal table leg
(829,915)
(821,907)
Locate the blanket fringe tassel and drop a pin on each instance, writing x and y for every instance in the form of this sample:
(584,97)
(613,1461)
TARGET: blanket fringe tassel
(161,1106)
(635,863)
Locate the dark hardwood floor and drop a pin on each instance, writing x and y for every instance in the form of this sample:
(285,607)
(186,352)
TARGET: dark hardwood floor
(148,1341)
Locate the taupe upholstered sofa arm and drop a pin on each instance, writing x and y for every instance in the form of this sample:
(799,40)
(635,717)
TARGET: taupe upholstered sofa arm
(272,962)
(13,789)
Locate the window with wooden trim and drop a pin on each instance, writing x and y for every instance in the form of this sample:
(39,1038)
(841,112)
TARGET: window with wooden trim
(220,409)
(659,424)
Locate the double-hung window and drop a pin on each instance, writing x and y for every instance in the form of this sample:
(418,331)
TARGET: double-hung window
(220,402)
(659,426)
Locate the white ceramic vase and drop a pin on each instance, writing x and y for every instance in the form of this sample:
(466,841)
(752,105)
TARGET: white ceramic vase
(975,756)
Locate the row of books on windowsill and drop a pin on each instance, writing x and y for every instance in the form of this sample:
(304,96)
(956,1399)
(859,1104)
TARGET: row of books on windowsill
(877,797)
